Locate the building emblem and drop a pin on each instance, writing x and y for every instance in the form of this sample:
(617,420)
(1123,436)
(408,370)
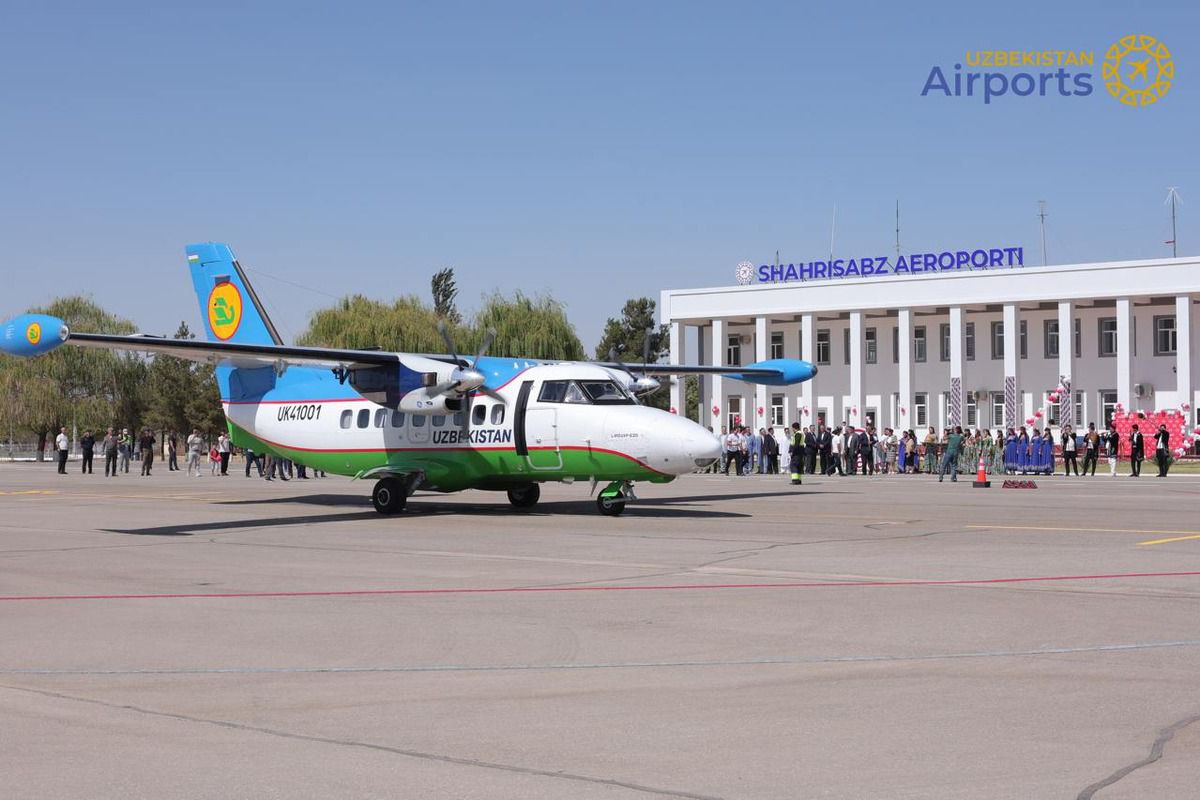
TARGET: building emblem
(744,272)
(1138,70)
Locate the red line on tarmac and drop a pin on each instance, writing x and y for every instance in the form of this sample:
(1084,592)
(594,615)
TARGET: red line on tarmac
(564,589)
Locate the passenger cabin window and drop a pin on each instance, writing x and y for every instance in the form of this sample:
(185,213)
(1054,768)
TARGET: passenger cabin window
(479,414)
(397,419)
(364,417)
(381,416)
(418,421)
(347,418)
(458,419)
(439,420)
(497,414)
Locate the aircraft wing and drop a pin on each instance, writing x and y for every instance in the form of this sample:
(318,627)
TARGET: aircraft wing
(34,334)
(773,372)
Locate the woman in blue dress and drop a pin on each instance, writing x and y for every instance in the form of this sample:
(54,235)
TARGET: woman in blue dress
(1048,452)
(902,453)
(1010,452)
(1023,452)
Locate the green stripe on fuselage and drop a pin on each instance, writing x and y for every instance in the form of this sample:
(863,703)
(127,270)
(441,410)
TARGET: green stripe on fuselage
(454,469)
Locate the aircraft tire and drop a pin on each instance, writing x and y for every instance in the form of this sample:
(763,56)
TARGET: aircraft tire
(610,506)
(525,496)
(388,496)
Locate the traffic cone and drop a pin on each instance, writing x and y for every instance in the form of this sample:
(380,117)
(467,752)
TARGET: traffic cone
(981,478)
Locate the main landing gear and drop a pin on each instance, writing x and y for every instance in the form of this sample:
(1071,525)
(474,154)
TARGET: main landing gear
(524,497)
(390,496)
(611,501)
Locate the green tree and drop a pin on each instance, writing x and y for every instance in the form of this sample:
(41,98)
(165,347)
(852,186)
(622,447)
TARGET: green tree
(628,336)
(528,327)
(183,394)
(445,290)
(357,322)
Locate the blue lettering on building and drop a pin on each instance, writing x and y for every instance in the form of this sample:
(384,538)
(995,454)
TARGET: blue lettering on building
(981,258)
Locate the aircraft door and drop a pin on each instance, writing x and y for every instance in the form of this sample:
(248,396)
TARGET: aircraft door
(541,437)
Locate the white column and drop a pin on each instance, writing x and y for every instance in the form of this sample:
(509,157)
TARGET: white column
(678,329)
(717,395)
(1066,352)
(904,419)
(808,389)
(1125,353)
(855,412)
(1183,353)
(1013,401)
(956,398)
(703,414)
(762,338)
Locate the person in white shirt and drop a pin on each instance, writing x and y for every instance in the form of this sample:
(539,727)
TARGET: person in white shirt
(195,446)
(63,444)
(224,448)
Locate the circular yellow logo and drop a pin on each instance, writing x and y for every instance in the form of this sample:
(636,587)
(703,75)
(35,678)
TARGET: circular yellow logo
(1138,70)
(224,310)
(33,333)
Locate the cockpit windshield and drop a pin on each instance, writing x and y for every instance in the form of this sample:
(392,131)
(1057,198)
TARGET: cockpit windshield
(599,392)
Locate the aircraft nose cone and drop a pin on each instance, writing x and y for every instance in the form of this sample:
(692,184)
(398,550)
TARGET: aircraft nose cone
(702,448)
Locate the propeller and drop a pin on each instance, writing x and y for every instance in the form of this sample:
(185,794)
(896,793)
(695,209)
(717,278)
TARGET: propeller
(644,384)
(464,381)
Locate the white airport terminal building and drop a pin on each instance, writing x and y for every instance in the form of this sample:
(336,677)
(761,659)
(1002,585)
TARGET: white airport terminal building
(978,348)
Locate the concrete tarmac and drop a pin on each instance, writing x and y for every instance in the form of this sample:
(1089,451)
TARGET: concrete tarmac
(883,637)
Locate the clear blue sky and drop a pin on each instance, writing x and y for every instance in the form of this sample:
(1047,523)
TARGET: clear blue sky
(591,151)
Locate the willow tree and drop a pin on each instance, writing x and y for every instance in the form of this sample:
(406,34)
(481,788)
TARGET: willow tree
(78,386)
(530,327)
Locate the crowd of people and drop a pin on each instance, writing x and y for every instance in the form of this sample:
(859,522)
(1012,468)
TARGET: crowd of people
(845,450)
(120,449)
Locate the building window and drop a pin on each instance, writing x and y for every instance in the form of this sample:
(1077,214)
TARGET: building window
(800,343)
(846,345)
(1052,415)
(972,410)
(733,415)
(997,340)
(1078,408)
(1108,335)
(733,350)
(997,409)
(872,346)
(969,341)
(776,345)
(823,346)
(1024,337)
(920,409)
(919,345)
(1108,406)
(1078,336)
(1050,334)
(944,346)
(896,345)
(1165,340)
(777,409)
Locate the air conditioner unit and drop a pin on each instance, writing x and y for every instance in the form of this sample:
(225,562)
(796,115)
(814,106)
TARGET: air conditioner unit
(1142,389)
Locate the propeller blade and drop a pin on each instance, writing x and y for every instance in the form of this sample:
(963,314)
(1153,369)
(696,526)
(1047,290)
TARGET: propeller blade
(445,334)
(442,387)
(492,393)
(646,351)
(483,348)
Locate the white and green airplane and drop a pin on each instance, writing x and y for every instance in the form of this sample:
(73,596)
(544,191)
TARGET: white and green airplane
(418,421)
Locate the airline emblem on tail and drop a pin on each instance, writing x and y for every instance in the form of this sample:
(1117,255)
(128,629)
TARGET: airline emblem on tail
(224,310)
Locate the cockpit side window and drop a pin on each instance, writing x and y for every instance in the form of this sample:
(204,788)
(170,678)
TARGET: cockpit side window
(603,392)
(562,392)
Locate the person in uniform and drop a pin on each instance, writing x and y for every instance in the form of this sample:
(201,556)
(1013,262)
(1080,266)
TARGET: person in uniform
(795,453)
(1162,451)
(1137,452)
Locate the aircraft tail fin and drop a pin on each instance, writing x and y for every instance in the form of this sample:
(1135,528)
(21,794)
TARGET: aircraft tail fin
(229,307)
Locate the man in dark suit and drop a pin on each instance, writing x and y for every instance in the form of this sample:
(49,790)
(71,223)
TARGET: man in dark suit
(824,447)
(1137,452)
(1162,450)
(810,451)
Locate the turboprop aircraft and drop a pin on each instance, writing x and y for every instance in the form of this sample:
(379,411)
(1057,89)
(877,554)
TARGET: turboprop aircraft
(419,421)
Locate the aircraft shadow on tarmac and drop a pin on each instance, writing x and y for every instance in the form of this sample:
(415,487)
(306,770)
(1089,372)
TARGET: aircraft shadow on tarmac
(422,506)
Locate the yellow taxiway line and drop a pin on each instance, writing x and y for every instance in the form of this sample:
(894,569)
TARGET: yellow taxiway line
(1187,535)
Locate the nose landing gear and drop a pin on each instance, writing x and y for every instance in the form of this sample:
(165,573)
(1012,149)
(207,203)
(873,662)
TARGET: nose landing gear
(611,501)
